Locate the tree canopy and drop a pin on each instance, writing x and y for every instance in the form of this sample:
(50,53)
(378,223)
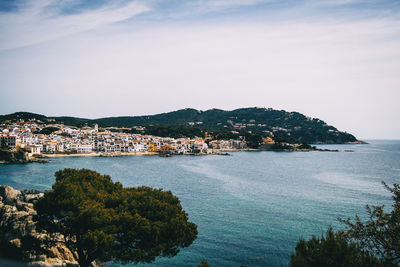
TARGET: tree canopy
(49,130)
(101,220)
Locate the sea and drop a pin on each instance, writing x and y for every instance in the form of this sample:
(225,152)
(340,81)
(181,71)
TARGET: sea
(251,208)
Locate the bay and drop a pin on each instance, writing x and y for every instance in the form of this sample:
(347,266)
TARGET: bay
(252,207)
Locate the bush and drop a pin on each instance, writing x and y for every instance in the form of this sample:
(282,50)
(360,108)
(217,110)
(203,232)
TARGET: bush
(373,243)
(333,249)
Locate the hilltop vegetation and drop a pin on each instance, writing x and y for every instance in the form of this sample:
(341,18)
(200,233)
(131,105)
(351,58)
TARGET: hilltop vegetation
(187,122)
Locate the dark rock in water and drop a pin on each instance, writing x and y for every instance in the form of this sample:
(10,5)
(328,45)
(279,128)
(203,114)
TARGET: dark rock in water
(18,232)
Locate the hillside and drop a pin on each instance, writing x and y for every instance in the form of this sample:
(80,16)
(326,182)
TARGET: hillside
(290,125)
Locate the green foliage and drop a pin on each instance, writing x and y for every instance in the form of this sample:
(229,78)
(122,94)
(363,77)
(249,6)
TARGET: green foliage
(20,154)
(72,121)
(333,249)
(285,139)
(373,243)
(281,146)
(305,146)
(177,131)
(13,156)
(22,116)
(253,140)
(224,133)
(103,221)
(66,135)
(49,130)
(381,233)
(291,125)
(299,127)
(5,155)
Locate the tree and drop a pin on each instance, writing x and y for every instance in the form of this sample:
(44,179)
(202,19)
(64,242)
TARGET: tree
(373,243)
(253,140)
(333,249)
(381,233)
(49,130)
(100,220)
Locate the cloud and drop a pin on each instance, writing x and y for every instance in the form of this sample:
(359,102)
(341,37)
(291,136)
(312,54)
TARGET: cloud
(343,72)
(215,6)
(40,20)
(36,21)
(341,2)
(233,3)
(342,69)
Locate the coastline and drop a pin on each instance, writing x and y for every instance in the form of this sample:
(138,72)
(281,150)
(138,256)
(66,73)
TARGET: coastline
(236,149)
(141,153)
(222,152)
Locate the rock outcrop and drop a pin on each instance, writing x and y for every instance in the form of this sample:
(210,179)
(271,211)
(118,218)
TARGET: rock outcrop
(18,157)
(9,195)
(19,238)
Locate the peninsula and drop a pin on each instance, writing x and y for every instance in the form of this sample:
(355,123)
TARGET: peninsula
(186,131)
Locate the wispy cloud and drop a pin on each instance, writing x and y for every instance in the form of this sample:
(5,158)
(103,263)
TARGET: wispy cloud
(341,2)
(327,59)
(233,3)
(34,21)
(40,20)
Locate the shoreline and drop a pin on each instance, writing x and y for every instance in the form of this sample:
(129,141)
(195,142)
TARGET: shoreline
(139,153)
(100,154)
(222,152)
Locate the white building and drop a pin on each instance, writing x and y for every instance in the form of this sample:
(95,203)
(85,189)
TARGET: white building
(81,148)
(35,150)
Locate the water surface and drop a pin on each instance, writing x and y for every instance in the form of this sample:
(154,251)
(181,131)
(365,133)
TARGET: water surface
(251,207)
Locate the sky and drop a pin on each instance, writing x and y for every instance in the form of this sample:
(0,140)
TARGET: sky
(337,60)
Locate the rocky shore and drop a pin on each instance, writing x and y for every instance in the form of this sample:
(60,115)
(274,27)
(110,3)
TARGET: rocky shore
(18,157)
(32,160)
(19,239)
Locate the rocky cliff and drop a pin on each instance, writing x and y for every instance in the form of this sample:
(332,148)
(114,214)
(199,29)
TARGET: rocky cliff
(19,239)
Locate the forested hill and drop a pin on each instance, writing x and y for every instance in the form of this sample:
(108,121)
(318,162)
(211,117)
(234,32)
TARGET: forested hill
(264,121)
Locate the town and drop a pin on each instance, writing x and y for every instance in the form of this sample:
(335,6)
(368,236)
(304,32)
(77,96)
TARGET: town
(40,139)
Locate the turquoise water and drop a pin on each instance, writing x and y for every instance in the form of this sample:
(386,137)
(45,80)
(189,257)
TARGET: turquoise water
(252,207)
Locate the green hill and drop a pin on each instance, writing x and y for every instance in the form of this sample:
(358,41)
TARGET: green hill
(289,125)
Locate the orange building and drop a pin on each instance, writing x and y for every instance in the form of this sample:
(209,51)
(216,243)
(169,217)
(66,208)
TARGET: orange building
(268,140)
(152,147)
